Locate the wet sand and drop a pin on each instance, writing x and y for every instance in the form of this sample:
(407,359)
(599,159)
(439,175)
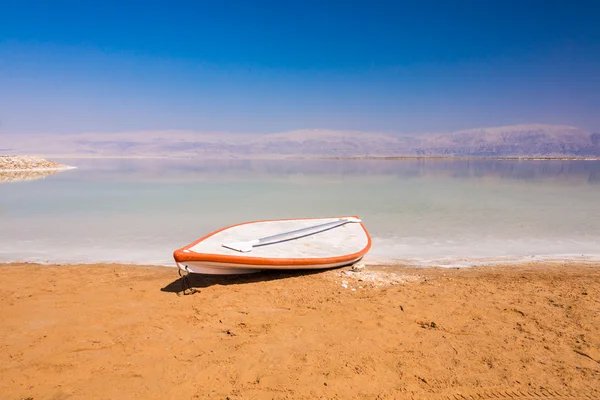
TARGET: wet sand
(124,332)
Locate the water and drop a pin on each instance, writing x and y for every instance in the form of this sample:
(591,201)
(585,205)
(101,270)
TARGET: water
(434,212)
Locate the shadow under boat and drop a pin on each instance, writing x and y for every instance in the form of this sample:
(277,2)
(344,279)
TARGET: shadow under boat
(192,283)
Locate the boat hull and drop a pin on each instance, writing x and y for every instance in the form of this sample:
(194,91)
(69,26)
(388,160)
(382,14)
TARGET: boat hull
(326,248)
(216,268)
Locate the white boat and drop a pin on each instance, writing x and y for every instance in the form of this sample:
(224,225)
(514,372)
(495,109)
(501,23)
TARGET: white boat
(314,243)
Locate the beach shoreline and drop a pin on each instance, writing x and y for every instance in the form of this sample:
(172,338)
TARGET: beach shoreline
(122,331)
(367,261)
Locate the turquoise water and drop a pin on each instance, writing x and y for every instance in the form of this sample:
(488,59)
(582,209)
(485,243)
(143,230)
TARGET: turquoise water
(434,212)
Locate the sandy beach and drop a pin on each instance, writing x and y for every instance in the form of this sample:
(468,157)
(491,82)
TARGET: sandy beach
(126,332)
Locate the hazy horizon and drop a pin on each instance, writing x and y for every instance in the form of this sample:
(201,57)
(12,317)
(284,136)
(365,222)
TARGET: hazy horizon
(271,67)
(143,132)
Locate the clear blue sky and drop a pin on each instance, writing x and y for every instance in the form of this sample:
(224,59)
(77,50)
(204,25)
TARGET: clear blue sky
(269,66)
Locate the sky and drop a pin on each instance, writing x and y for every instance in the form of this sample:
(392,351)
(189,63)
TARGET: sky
(273,66)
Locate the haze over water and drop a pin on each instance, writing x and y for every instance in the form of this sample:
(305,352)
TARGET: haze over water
(433,212)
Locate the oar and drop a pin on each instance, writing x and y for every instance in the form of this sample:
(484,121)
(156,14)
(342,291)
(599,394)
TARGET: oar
(247,246)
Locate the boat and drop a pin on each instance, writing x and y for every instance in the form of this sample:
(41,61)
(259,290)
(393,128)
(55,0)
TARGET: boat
(307,243)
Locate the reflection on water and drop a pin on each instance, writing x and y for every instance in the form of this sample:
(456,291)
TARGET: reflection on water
(196,169)
(20,176)
(418,211)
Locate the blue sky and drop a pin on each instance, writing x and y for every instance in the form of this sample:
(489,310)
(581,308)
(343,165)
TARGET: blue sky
(270,66)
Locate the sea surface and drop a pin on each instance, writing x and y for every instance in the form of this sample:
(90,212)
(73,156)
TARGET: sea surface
(418,212)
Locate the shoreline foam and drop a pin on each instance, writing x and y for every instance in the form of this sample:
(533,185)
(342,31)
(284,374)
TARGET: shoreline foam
(451,262)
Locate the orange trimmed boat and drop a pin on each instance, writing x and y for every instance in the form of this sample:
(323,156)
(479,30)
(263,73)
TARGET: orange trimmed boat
(315,243)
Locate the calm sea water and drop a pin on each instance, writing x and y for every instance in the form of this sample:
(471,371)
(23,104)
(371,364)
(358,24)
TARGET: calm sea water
(418,212)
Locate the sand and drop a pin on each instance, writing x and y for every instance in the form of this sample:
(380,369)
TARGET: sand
(124,332)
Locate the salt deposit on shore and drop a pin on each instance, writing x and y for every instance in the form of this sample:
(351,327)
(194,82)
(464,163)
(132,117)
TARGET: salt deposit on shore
(29,163)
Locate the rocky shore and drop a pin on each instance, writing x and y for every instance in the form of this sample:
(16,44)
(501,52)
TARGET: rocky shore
(28,163)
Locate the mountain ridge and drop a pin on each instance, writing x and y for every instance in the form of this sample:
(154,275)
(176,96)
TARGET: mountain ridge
(526,140)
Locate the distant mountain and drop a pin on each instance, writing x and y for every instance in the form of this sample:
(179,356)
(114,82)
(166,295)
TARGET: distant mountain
(518,140)
(506,141)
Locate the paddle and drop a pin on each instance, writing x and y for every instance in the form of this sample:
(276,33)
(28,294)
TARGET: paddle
(247,246)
